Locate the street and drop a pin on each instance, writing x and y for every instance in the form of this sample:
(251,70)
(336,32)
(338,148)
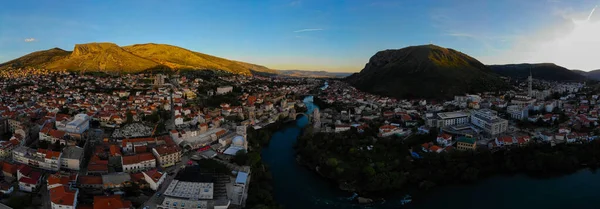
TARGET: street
(153,201)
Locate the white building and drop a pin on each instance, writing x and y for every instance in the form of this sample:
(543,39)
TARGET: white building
(444,119)
(62,197)
(154,178)
(489,122)
(79,124)
(71,158)
(183,195)
(167,156)
(518,112)
(138,162)
(40,158)
(224,90)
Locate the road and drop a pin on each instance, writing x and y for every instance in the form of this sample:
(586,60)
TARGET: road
(45,193)
(153,201)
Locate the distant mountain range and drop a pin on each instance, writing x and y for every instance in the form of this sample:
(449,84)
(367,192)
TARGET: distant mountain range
(543,71)
(593,75)
(426,71)
(108,57)
(313,74)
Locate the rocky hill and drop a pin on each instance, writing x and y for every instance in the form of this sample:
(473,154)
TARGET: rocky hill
(109,57)
(426,71)
(313,74)
(593,75)
(543,71)
(37,59)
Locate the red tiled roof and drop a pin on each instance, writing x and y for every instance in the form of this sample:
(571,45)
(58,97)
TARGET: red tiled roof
(9,168)
(57,179)
(90,180)
(137,176)
(56,133)
(166,150)
(145,157)
(110,202)
(128,160)
(154,174)
(98,167)
(27,180)
(62,196)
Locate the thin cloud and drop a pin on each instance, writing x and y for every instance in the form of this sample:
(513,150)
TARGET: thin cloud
(295,3)
(466,35)
(308,30)
(592,13)
(30,40)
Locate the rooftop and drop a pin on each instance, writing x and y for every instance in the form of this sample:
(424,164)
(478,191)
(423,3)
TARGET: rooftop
(190,190)
(72,152)
(466,140)
(448,115)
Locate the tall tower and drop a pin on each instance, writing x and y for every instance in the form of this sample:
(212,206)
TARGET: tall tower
(316,118)
(530,81)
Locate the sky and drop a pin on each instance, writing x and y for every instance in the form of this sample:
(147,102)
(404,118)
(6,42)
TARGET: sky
(326,35)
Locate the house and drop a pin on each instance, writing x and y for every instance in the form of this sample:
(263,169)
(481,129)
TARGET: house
(62,197)
(564,130)
(342,128)
(94,182)
(6,148)
(40,158)
(71,158)
(29,180)
(546,136)
(444,140)
(9,170)
(505,141)
(154,178)
(436,149)
(178,120)
(138,162)
(523,140)
(571,138)
(167,155)
(388,130)
(115,180)
(111,202)
(6,188)
(465,143)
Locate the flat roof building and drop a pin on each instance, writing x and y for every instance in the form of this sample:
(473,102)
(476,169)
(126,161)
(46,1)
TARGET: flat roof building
(488,121)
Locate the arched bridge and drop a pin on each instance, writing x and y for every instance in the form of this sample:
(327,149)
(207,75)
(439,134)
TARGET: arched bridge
(306,115)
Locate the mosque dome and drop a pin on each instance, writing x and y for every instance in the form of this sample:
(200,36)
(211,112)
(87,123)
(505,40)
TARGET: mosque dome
(238,141)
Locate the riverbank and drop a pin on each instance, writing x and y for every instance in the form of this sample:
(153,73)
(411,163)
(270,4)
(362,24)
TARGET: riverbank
(371,168)
(261,194)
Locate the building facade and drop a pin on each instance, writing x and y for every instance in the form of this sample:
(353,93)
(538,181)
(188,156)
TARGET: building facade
(444,119)
(489,122)
(464,143)
(167,156)
(40,158)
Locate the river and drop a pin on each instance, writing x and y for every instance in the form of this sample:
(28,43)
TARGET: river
(297,187)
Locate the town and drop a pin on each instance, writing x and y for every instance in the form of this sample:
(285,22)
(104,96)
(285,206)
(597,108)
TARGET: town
(94,140)
(551,113)
(152,140)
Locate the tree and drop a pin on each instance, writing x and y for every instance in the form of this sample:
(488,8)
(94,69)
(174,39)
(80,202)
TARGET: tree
(43,144)
(57,146)
(253,158)
(129,117)
(241,157)
(332,162)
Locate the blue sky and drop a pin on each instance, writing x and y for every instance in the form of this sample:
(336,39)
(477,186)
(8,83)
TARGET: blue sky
(314,34)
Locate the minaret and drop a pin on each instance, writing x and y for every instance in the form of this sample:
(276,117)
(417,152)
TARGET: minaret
(530,80)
